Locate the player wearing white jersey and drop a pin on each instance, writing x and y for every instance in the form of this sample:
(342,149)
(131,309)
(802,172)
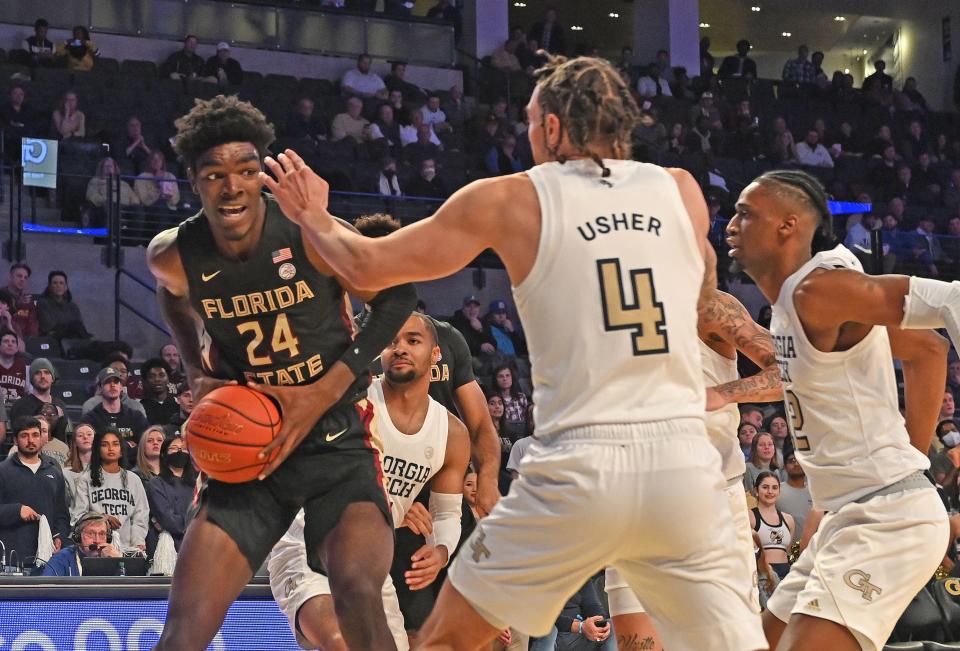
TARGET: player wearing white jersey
(423,444)
(835,329)
(608,258)
(725,327)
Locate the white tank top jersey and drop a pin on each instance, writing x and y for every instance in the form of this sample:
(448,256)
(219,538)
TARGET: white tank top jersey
(843,411)
(610,305)
(722,424)
(773,536)
(409,460)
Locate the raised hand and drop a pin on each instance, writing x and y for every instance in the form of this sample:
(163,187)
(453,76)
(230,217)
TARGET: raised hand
(302,195)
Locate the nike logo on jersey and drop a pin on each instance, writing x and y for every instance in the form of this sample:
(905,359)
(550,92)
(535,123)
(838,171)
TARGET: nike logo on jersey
(208,277)
(334,437)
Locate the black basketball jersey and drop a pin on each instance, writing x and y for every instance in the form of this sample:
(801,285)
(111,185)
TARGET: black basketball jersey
(272,318)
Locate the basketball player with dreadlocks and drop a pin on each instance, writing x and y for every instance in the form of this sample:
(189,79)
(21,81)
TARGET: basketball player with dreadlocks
(835,329)
(619,390)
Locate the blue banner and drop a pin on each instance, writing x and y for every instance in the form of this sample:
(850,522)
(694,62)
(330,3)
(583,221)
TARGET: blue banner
(131,625)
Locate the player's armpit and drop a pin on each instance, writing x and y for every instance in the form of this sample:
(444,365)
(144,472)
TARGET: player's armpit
(828,298)
(923,354)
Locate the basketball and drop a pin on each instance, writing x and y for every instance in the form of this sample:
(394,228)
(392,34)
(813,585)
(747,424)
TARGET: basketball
(227,430)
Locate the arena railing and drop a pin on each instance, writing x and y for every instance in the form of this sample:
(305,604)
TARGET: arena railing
(276,26)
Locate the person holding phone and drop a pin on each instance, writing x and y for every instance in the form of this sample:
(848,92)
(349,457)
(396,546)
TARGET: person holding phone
(78,51)
(584,624)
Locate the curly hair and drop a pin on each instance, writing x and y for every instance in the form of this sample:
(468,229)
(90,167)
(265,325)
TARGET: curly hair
(217,121)
(376,225)
(592,102)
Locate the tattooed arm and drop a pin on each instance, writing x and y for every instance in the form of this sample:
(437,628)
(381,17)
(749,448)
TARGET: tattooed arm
(726,326)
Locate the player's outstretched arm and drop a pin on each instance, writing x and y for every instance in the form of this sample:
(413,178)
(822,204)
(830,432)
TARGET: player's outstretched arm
(464,226)
(923,354)
(726,319)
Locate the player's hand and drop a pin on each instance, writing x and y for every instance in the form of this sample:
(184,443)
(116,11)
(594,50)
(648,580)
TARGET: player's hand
(487,348)
(593,632)
(27,514)
(427,563)
(204,384)
(488,492)
(715,401)
(301,194)
(114,522)
(418,520)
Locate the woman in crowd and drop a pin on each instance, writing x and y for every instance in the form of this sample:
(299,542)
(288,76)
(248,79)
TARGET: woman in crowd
(775,528)
(81,449)
(79,51)
(148,453)
(59,315)
(171,493)
(98,193)
(777,426)
(515,401)
(763,456)
(498,416)
(155,186)
(125,505)
(68,120)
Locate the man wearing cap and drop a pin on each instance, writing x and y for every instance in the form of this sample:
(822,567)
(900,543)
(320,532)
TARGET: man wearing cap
(360,82)
(111,412)
(42,376)
(223,70)
(498,325)
(706,108)
(467,321)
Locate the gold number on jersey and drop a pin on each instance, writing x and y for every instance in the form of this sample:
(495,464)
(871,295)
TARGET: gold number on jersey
(800,442)
(282,339)
(643,314)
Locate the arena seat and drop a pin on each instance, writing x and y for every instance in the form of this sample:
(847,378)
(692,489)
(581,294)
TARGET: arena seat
(42,346)
(76,370)
(72,393)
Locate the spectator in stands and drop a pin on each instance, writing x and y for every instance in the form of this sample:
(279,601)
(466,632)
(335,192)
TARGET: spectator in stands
(763,456)
(30,486)
(185,400)
(883,174)
(649,136)
(41,50)
(666,68)
(499,419)
(427,183)
(456,110)
(910,99)
(879,80)
(507,339)
(42,377)
(746,432)
(133,387)
(799,70)
(171,493)
(13,369)
(25,320)
(925,181)
(59,315)
(78,51)
(811,153)
(951,243)
(467,321)
(160,406)
(846,138)
(388,183)
(185,63)
(133,147)
(816,60)
(18,120)
(148,453)
(351,124)
(68,120)
(303,124)
(653,84)
(701,139)
(857,238)
(515,401)
(781,527)
(122,497)
(953,377)
(155,186)
(777,426)
(743,137)
(222,69)
(92,533)
(112,414)
(98,193)
(782,149)
(705,107)
(387,128)
(581,623)
(397,80)
(915,143)
(395,100)
(941,150)
(171,355)
(549,33)
(434,115)
(739,66)
(948,408)
(81,447)
(951,194)
(360,82)
(505,60)
(424,147)
(503,158)
(926,248)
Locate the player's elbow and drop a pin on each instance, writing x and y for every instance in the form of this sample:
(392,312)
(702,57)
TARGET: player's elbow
(362,274)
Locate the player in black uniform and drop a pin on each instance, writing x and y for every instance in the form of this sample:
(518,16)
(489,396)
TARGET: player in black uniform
(275,316)
(453,385)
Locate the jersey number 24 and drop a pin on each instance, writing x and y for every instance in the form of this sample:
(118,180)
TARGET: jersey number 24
(643,314)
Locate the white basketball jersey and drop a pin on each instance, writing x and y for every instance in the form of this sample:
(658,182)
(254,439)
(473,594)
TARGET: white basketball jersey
(610,305)
(842,407)
(409,460)
(722,424)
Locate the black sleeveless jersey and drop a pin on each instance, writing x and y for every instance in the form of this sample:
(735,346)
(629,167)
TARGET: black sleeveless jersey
(272,318)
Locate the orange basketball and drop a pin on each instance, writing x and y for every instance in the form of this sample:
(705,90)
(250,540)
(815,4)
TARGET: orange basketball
(227,430)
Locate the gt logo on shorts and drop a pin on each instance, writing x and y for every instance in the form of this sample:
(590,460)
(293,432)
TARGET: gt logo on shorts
(860,581)
(952,586)
(479,549)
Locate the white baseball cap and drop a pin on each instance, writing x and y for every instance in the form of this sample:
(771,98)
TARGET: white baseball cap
(222,45)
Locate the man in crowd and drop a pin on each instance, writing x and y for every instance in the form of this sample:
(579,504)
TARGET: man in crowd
(351,124)
(360,82)
(953,377)
(132,387)
(91,538)
(18,120)
(549,33)
(171,356)
(467,321)
(25,317)
(794,495)
(184,63)
(811,153)
(304,124)
(222,69)
(133,147)
(13,370)
(739,66)
(396,80)
(752,415)
(185,402)
(42,376)
(41,49)
(160,405)
(31,486)
(800,70)
(427,183)
(112,413)
(423,148)
(508,340)
(879,79)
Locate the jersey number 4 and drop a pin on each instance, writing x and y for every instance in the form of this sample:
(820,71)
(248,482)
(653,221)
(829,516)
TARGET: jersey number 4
(282,339)
(643,314)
